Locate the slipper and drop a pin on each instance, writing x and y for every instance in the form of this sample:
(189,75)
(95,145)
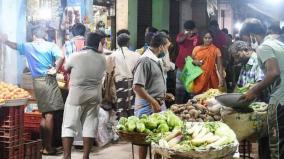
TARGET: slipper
(51,153)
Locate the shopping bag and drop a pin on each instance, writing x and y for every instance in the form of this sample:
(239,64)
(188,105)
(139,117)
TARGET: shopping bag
(189,73)
(190,86)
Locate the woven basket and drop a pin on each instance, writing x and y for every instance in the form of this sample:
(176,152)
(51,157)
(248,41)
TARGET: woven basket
(15,102)
(226,152)
(134,137)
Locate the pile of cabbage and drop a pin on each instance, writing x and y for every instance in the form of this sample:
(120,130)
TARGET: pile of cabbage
(155,123)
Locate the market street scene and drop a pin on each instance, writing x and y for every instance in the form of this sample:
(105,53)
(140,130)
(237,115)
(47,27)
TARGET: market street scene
(141,79)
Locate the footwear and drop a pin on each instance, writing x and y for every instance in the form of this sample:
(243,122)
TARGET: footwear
(49,153)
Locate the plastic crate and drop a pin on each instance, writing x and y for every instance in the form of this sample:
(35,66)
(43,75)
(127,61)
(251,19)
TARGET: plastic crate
(11,111)
(27,136)
(35,133)
(15,152)
(10,141)
(32,149)
(32,120)
(9,132)
(11,117)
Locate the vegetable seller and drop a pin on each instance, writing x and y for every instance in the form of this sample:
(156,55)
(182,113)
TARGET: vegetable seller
(245,56)
(82,104)
(208,56)
(149,81)
(44,60)
(271,56)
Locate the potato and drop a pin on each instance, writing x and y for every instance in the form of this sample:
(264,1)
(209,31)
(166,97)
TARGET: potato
(199,106)
(202,116)
(194,113)
(191,120)
(217,117)
(188,116)
(189,107)
(174,109)
(199,120)
(209,118)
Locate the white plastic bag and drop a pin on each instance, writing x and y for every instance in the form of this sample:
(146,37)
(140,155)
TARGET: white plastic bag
(102,135)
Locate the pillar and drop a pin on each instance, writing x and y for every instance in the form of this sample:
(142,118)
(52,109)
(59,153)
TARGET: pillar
(161,14)
(126,18)
(13,17)
(132,21)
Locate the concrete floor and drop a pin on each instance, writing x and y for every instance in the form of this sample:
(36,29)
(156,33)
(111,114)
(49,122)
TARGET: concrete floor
(121,150)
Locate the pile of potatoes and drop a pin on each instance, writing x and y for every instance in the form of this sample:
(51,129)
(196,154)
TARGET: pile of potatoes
(195,112)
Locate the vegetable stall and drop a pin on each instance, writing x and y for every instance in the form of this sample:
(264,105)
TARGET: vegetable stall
(201,128)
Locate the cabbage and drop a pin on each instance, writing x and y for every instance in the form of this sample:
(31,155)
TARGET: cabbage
(140,127)
(174,121)
(163,128)
(151,123)
(122,121)
(133,118)
(130,126)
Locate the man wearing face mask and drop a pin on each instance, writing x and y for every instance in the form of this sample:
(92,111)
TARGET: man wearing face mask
(149,83)
(243,55)
(271,56)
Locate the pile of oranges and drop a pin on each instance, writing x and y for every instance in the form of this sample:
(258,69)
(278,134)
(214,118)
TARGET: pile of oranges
(11,92)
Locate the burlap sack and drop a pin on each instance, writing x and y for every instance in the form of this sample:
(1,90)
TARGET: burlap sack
(246,125)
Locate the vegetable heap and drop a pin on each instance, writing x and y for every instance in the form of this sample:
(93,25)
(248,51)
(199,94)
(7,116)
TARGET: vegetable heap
(195,111)
(199,136)
(244,89)
(259,106)
(155,123)
(207,95)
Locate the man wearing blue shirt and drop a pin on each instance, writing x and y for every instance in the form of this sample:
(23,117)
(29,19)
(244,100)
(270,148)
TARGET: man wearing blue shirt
(44,59)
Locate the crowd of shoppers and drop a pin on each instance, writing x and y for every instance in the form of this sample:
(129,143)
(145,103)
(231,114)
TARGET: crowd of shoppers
(140,77)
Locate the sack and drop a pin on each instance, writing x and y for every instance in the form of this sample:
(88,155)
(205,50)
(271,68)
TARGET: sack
(255,123)
(189,73)
(109,91)
(103,135)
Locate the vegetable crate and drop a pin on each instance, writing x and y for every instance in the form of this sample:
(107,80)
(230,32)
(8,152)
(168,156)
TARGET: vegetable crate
(11,117)
(14,152)
(32,149)
(11,131)
(32,122)
(26,136)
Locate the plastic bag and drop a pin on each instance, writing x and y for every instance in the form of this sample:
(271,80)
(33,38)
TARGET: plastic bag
(189,73)
(103,136)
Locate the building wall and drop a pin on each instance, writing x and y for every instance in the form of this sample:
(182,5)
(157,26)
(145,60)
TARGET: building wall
(13,63)
(185,12)
(126,18)
(161,14)
(121,14)
(226,21)
(199,14)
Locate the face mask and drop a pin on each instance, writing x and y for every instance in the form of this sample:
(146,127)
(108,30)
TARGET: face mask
(102,29)
(161,55)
